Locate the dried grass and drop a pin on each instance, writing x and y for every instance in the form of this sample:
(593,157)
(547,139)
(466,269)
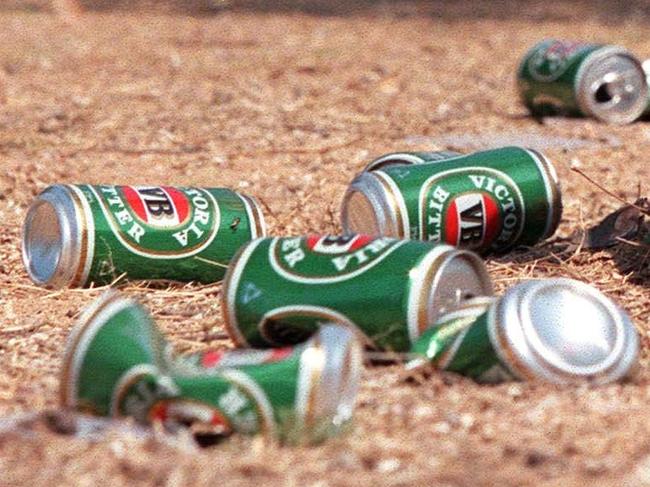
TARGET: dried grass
(287,107)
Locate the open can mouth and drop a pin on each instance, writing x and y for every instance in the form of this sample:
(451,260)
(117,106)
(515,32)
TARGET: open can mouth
(612,86)
(443,281)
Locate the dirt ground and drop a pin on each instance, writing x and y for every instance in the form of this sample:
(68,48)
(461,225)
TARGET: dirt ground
(287,102)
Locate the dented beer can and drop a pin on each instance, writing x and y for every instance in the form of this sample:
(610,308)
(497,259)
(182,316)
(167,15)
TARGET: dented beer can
(279,290)
(574,78)
(75,235)
(555,330)
(118,364)
(409,158)
(485,201)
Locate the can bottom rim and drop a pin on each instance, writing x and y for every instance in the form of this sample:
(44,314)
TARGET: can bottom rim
(42,242)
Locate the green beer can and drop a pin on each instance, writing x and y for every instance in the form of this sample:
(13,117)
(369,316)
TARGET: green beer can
(75,235)
(485,201)
(279,290)
(118,364)
(553,330)
(575,78)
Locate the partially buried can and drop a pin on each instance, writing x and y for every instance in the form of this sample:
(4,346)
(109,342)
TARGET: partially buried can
(485,201)
(118,364)
(554,330)
(278,290)
(75,235)
(575,78)
(409,158)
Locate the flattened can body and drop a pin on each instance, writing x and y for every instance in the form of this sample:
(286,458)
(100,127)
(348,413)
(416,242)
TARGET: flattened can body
(118,364)
(575,78)
(554,330)
(304,394)
(485,201)
(75,235)
(278,290)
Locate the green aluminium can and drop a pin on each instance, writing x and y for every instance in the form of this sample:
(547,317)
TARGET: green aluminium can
(485,201)
(118,364)
(553,330)
(574,78)
(409,158)
(75,235)
(278,291)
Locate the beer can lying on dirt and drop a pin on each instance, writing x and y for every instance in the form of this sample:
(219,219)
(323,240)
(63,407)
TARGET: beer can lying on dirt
(554,330)
(118,364)
(574,78)
(278,290)
(75,235)
(485,201)
(409,158)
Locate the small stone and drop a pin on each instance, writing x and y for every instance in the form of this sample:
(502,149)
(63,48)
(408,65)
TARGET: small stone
(347,461)
(595,467)
(467,420)
(118,449)
(81,101)
(488,433)
(422,411)
(515,390)
(535,458)
(442,427)
(61,422)
(388,465)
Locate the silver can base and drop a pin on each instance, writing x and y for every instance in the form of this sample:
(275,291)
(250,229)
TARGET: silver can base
(564,331)
(42,243)
(369,208)
(51,248)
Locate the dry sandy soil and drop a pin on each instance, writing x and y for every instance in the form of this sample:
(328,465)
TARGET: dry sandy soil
(287,102)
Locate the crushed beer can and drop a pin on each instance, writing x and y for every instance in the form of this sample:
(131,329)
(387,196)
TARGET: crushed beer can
(75,235)
(575,78)
(278,290)
(485,201)
(118,364)
(554,330)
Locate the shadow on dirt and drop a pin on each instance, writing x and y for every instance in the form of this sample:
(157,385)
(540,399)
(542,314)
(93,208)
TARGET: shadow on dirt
(634,261)
(631,258)
(451,10)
